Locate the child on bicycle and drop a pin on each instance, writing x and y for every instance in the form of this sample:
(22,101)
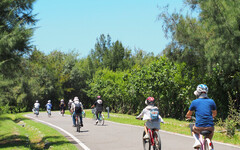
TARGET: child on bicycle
(205,110)
(151,114)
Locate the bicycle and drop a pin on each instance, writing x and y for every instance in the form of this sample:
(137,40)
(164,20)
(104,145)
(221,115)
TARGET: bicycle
(154,140)
(100,119)
(78,123)
(206,143)
(36,111)
(49,112)
(62,111)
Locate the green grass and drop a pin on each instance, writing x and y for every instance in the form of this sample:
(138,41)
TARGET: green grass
(171,125)
(18,132)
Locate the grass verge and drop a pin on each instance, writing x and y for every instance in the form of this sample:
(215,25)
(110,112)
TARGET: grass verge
(171,125)
(18,132)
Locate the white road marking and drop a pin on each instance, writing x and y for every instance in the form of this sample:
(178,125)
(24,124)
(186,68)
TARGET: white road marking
(72,136)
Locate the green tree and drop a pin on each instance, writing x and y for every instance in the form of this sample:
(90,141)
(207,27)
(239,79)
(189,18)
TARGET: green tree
(16,22)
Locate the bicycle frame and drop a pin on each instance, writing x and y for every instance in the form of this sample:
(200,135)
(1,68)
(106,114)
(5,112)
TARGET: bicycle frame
(78,122)
(151,136)
(202,141)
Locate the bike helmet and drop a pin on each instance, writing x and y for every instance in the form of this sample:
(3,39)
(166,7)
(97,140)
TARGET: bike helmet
(49,101)
(36,101)
(62,100)
(149,101)
(201,88)
(70,101)
(98,97)
(76,99)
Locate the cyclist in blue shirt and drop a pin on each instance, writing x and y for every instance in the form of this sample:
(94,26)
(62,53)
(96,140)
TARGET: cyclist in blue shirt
(49,106)
(205,110)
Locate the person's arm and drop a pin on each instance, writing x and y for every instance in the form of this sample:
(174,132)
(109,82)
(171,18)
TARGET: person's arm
(161,119)
(189,114)
(214,113)
(140,115)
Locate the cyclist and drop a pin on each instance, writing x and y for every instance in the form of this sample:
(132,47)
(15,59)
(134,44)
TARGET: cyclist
(36,107)
(49,106)
(151,114)
(77,109)
(99,107)
(205,110)
(62,106)
(69,105)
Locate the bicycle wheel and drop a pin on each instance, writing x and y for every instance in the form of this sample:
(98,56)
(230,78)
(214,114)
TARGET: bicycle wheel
(157,141)
(146,143)
(78,124)
(102,120)
(207,145)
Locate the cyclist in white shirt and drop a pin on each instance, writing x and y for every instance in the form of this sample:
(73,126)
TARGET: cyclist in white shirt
(36,106)
(76,109)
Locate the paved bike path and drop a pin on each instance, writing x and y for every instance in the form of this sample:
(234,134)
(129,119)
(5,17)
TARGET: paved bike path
(115,136)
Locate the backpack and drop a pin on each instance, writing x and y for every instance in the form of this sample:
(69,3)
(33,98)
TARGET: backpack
(154,114)
(78,108)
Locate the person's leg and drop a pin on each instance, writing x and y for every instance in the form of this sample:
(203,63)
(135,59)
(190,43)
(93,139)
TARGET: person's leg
(196,132)
(146,136)
(97,114)
(74,119)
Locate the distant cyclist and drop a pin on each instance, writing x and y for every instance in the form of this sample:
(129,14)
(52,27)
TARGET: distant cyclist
(151,114)
(49,107)
(205,110)
(62,106)
(36,107)
(99,107)
(76,110)
(69,105)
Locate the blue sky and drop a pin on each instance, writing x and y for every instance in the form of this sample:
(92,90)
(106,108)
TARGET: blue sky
(67,25)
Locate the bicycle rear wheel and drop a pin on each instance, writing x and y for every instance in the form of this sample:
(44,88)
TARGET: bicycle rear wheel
(157,141)
(102,120)
(207,145)
(78,124)
(146,143)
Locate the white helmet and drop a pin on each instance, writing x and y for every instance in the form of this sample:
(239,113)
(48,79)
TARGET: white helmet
(201,88)
(36,101)
(76,99)
(70,101)
(49,101)
(62,100)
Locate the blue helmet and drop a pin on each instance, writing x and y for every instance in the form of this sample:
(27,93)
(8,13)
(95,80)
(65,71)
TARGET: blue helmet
(202,88)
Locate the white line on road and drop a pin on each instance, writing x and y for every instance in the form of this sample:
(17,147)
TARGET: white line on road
(72,136)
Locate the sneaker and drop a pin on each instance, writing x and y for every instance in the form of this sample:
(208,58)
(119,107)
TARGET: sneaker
(74,125)
(146,136)
(96,121)
(196,144)
(81,125)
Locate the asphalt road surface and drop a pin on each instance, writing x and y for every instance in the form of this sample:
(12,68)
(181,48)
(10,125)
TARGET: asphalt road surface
(115,136)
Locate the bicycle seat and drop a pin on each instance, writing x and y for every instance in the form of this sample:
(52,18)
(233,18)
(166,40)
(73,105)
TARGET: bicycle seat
(205,132)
